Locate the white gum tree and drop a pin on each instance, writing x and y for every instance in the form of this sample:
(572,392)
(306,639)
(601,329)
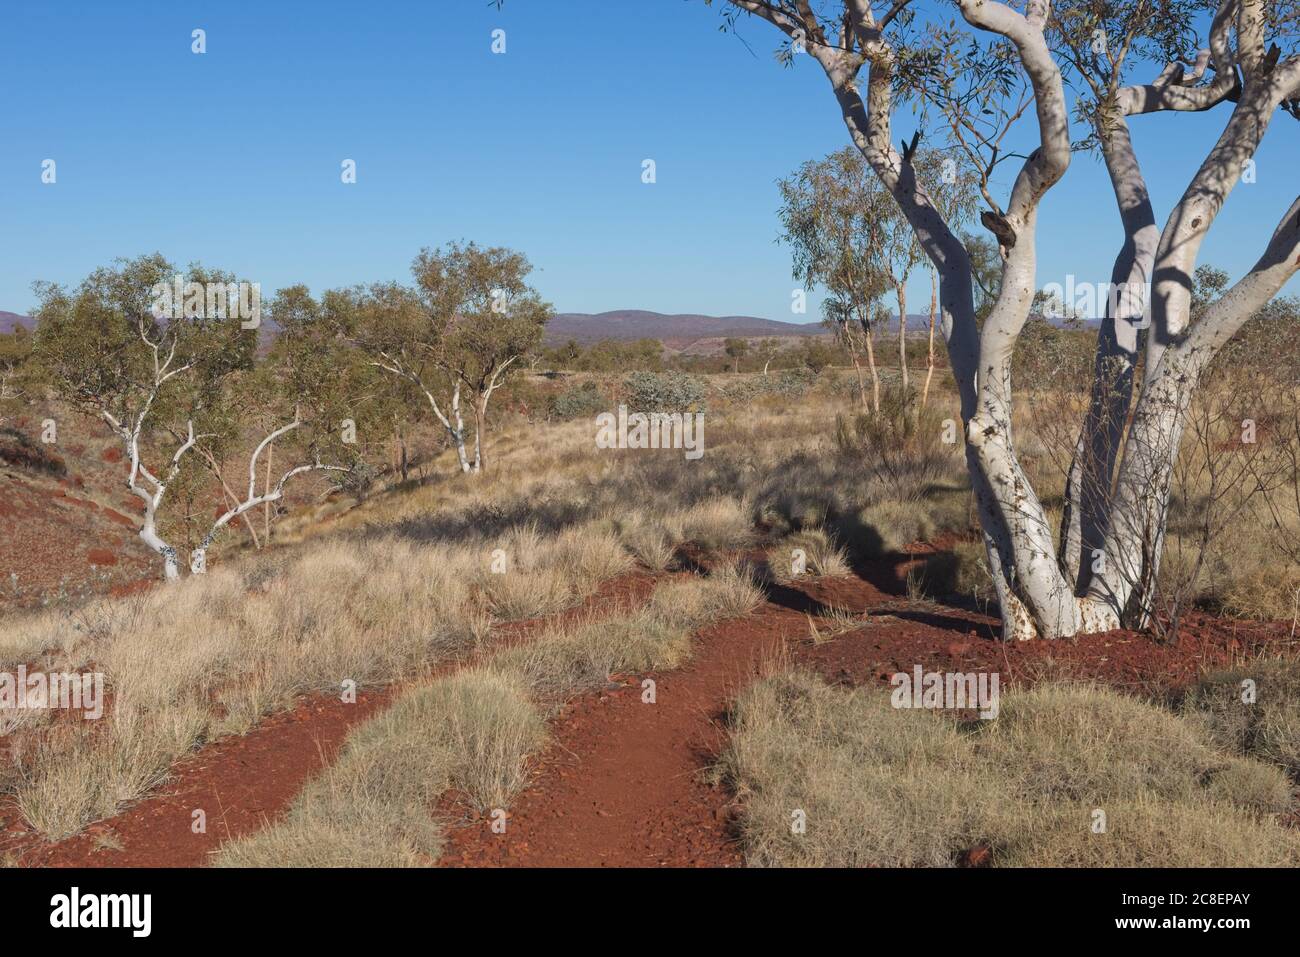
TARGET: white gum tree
(151,378)
(994,64)
(455,337)
(253,498)
(148,379)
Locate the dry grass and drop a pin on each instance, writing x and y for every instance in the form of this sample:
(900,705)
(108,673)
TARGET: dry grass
(574,657)
(1146,833)
(717,523)
(401,585)
(471,733)
(1267,728)
(247,640)
(822,556)
(409,580)
(652,543)
(897,523)
(887,787)
(79,774)
(835,622)
(528,576)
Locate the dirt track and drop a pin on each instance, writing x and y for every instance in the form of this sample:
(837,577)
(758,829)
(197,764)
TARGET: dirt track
(623,782)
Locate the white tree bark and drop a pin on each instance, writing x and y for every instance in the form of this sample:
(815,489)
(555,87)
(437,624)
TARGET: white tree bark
(1088,489)
(140,481)
(1046,590)
(198,557)
(929,354)
(1087,493)
(1134,542)
(482,390)
(149,488)
(1122,590)
(454,425)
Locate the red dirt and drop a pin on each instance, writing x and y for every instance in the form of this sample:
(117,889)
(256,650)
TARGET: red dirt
(60,544)
(623,782)
(48,523)
(241,783)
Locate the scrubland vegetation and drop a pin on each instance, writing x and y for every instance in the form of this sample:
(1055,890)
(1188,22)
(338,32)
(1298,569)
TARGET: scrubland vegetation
(439,518)
(390,589)
(474,730)
(878,786)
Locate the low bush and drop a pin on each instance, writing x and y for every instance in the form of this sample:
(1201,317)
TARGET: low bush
(664,392)
(583,401)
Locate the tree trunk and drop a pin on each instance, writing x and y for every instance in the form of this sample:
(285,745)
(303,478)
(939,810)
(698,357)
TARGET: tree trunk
(230,495)
(862,385)
(1035,594)
(149,535)
(1088,486)
(929,354)
(479,414)
(266,488)
(875,372)
(1130,558)
(458,432)
(902,335)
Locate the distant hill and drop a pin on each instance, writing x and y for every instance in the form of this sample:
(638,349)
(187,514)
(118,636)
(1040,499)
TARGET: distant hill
(11,320)
(681,328)
(640,324)
(627,324)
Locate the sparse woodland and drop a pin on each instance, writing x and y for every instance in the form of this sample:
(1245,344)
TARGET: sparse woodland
(392,493)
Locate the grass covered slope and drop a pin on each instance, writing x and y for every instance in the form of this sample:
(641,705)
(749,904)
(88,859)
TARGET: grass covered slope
(877,786)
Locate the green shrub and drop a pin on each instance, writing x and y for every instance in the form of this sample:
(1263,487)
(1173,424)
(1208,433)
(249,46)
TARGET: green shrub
(664,392)
(901,445)
(794,382)
(579,402)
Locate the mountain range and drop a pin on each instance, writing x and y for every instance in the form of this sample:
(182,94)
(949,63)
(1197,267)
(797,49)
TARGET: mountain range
(620,324)
(9,321)
(677,329)
(680,327)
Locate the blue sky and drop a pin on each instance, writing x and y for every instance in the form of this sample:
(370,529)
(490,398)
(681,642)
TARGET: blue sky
(232,158)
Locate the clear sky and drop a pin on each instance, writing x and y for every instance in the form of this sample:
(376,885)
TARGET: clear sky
(232,158)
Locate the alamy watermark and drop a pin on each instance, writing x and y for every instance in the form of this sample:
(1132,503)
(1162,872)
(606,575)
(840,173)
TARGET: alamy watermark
(39,691)
(208,300)
(130,911)
(952,691)
(1092,300)
(653,430)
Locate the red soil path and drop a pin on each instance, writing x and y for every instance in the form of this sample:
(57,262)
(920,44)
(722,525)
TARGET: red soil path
(242,782)
(238,782)
(621,785)
(624,782)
